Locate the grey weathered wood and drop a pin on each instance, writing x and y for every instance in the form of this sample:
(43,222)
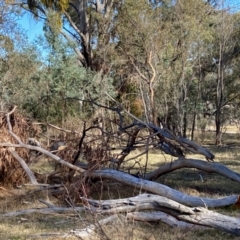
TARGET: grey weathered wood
(155,216)
(163,190)
(193,163)
(184,142)
(194,215)
(25,167)
(168,135)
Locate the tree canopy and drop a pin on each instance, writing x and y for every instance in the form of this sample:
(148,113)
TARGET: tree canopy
(167,60)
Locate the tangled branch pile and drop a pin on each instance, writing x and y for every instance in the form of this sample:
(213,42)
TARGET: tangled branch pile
(99,153)
(11,172)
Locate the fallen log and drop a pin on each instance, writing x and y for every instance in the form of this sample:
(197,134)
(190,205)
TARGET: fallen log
(193,163)
(195,215)
(155,216)
(163,190)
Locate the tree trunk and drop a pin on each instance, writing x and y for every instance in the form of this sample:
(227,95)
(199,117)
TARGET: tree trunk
(185,125)
(218,124)
(193,125)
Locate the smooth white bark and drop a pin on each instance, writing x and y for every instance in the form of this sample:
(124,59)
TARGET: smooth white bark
(163,190)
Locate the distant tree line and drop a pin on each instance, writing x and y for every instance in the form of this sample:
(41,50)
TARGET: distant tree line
(165,61)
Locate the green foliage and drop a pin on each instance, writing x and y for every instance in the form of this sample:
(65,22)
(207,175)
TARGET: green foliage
(174,44)
(53,10)
(54,89)
(61,88)
(60,5)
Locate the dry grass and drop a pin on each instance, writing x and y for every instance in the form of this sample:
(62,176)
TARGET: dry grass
(185,180)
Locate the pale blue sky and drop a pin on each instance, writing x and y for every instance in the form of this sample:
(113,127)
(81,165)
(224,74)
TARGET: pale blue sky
(32,26)
(233,4)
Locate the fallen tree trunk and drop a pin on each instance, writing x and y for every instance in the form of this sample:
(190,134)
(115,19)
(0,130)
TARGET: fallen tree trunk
(184,142)
(193,163)
(199,216)
(155,216)
(163,190)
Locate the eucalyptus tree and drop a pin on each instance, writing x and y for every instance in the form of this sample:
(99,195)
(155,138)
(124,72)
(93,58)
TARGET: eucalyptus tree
(88,25)
(159,47)
(227,38)
(192,34)
(138,42)
(220,67)
(18,59)
(60,88)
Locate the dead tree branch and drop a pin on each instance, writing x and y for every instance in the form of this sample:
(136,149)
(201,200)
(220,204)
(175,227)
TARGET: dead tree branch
(178,144)
(193,163)
(25,167)
(195,215)
(155,216)
(163,190)
(47,153)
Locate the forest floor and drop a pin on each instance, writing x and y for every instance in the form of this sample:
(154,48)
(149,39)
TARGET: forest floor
(190,181)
